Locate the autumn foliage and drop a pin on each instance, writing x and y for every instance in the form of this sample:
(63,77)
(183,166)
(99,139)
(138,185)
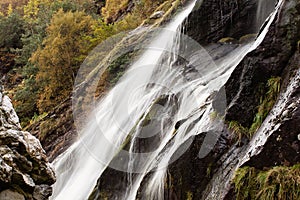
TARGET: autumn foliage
(61,56)
(44,42)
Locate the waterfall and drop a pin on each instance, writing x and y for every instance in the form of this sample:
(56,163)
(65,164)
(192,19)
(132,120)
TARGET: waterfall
(236,157)
(264,9)
(80,166)
(156,98)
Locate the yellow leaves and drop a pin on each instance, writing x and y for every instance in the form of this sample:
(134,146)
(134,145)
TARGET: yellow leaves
(31,10)
(113,8)
(61,55)
(9,10)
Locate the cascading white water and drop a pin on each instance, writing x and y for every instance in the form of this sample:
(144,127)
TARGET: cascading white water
(236,157)
(123,109)
(264,8)
(81,165)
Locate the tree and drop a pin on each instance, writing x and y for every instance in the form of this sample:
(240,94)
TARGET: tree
(11,30)
(63,50)
(25,97)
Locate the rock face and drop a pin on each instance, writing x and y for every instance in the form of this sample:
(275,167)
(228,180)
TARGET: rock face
(24,169)
(216,19)
(276,143)
(282,147)
(269,59)
(191,177)
(56,130)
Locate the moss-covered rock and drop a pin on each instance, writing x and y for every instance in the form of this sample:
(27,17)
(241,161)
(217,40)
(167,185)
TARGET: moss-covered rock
(227,40)
(276,183)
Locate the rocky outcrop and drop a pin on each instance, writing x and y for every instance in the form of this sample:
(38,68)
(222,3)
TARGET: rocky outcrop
(270,59)
(25,172)
(282,147)
(56,130)
(276,143)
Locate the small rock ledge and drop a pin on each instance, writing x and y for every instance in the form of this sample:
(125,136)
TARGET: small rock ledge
(25,172)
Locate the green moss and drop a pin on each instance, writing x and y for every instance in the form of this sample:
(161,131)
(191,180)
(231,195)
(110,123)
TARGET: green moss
(247,38)
(267,102)
(280,182)
(213,115)
(238,130)
(118,67)
(96,194)
(189,195)
(244,182)
(37,117)
(209,170)
(227,40)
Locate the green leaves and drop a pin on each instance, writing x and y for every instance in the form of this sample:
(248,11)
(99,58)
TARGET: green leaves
(11,30)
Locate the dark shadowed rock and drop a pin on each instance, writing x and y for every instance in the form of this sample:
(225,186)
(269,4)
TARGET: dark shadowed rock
(268,60)
(216,19)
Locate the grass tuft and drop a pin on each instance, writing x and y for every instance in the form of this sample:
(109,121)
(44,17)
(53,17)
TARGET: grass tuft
(280,182)
(267,102)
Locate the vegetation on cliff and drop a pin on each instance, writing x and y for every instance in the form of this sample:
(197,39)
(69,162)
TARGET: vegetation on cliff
(275,183)
(43,43)
(268,95)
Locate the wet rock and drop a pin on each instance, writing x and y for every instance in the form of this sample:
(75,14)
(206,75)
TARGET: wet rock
(24,167)
(271,58)
(42,192)
(276,142)
(193,171)
(147,137)
(157,15)
(216,19)
(276,56)
(282,146)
